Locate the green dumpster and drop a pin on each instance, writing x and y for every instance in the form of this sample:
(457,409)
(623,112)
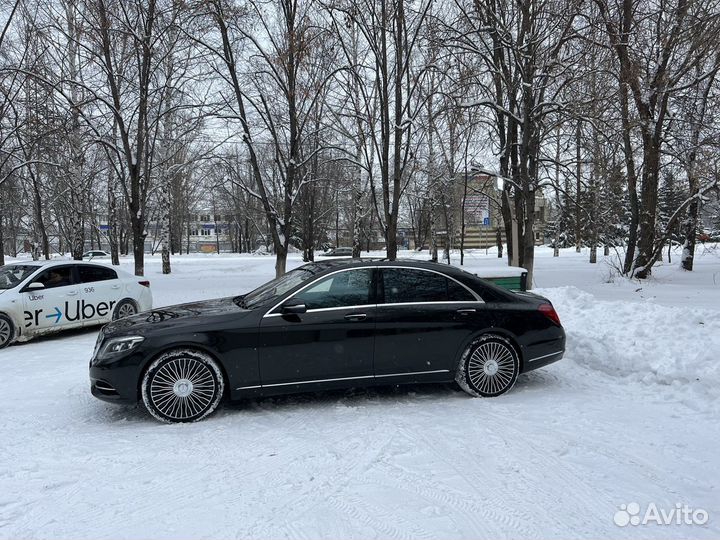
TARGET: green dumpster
(508,277)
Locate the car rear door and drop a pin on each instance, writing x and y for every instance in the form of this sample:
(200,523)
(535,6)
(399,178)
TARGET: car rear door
(423,317)
(100,289)
(331,343)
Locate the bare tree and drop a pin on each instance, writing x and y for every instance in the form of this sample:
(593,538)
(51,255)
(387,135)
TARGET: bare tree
(653,81)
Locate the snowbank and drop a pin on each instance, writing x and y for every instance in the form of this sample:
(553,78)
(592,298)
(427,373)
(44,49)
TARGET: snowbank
(645,342)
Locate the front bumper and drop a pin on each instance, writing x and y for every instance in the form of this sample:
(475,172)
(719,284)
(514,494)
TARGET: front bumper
(118,380)
(115,385)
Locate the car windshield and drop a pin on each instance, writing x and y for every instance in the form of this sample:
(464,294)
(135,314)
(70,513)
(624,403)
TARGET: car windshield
(13,274)
(275,288)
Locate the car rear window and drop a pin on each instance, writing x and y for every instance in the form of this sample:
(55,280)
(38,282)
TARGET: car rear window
(402,285)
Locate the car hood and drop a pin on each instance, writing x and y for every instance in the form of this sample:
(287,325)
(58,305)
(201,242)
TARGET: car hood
(195,312)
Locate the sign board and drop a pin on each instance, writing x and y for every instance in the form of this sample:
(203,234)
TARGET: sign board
(477,209)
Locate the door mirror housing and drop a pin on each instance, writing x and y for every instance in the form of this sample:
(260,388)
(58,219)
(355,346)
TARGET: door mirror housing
(35,286)
(294,307)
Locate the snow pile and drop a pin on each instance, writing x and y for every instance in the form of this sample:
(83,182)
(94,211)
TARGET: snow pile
(650,343)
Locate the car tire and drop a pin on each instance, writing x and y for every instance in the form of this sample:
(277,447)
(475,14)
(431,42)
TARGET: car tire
(182,385)
(489,367)
(125,308)
(7,331)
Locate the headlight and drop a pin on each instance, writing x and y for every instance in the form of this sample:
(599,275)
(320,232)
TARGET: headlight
(115,346)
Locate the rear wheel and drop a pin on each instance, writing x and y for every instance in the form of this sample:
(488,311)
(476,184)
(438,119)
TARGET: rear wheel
(183,385)
(125,308)
(7,331)
(489,367)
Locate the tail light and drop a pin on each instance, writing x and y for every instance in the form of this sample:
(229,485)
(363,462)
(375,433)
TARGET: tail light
(144,283)
(550,313)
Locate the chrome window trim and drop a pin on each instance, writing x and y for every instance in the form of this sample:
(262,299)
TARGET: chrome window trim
(545,356)
(444,302)
(318,310)
(269,313)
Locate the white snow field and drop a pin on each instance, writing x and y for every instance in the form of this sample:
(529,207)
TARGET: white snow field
(630,415)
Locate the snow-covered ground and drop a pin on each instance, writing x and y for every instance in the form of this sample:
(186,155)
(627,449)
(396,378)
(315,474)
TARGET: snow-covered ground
(630,415)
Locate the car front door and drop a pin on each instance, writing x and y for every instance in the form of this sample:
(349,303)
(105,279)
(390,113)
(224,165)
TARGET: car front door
(331,342)
(56,305)
(423,317)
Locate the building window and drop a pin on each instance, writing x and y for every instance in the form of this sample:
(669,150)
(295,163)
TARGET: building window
(205,232)
(194,232)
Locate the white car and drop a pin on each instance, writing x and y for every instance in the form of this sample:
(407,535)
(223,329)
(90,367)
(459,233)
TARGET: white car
(42,297)
(96,254)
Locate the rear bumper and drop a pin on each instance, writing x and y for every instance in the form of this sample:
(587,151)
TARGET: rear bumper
(541,353)
(543,360)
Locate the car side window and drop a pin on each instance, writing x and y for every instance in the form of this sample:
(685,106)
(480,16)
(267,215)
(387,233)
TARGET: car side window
(403,285)
(349,288)
(56,277)
(458,293)
(88,274)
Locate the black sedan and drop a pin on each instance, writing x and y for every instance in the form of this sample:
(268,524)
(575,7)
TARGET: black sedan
(327,325)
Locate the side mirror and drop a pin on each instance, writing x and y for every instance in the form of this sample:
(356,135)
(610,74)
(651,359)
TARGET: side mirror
(34,286)
(294,307)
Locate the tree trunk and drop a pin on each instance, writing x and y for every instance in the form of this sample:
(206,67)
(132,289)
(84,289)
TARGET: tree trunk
(648,217)
(280,260)
(688,253)
(165,230)
(2,241)
(462,213)
(38,218)
(357,218)
(137,225)
(578,188)
(113,224)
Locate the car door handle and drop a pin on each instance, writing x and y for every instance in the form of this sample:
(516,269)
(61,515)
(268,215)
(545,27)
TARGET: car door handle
(466,311)
(355,317)
(116,286)
(71,293)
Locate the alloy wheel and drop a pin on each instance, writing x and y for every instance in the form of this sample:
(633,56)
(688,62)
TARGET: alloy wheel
(489,367)
(5,332)
(126,310)
(182,389)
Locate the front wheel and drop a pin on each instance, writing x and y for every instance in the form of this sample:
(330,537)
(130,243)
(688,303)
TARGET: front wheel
(489,367)
(7,331)
(183,385)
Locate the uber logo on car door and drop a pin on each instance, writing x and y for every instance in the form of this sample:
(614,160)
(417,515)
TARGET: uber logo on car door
(80,310)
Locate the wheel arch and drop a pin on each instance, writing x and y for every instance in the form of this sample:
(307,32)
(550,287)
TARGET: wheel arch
(16,328)
(126,299)
(492,330)
(184,345)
